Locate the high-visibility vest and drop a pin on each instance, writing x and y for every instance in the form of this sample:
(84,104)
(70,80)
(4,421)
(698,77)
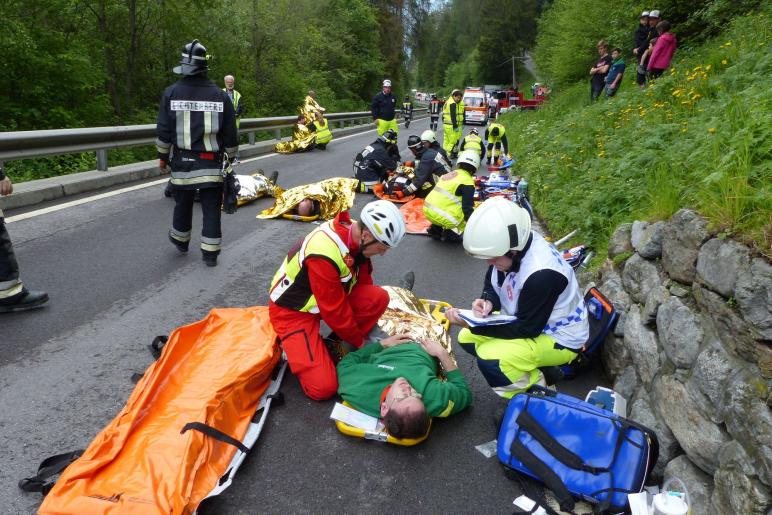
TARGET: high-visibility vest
(236,100)
(473,142)
(442,206)
(322,241)
(323,133)
(451,104)
(492,138)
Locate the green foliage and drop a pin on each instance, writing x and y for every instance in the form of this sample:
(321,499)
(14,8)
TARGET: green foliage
(106,62)
(700,137)
(468,42)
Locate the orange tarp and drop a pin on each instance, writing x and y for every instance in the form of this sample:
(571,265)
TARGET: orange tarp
(212,371)
(413,213)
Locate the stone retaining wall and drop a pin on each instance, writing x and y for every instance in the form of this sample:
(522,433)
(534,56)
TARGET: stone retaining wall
(692,354)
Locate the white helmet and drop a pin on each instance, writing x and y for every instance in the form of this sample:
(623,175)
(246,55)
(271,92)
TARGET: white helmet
(428,135)
(496,227)
(387,83)
(469,157)
(384,221)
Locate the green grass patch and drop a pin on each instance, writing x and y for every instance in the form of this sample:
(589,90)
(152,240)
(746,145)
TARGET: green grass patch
(698,137)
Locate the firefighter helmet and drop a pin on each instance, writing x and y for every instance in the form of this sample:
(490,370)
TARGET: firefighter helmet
(194,59)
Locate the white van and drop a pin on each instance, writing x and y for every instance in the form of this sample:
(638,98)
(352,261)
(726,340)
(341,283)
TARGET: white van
(475,106)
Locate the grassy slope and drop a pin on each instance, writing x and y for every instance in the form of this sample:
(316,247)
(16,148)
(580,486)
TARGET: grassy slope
(697,137)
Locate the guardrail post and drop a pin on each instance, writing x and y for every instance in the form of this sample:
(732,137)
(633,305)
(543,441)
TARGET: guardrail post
(251,138)
(277,134)
(101,157)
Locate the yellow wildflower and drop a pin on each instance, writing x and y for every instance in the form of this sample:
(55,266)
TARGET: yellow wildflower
(724,62)
(712,130)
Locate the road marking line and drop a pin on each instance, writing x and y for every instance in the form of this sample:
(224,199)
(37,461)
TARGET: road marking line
(86,200)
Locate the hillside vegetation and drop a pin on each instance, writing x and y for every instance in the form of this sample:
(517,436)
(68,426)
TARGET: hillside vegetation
(697,137)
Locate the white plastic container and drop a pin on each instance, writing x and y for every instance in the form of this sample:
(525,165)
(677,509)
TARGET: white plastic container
(672,503)
(607,399)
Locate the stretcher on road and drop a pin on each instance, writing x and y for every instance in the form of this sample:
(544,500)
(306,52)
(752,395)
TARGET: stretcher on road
(186,428)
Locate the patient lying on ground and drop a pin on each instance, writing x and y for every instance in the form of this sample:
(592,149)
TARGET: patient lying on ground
(397,379)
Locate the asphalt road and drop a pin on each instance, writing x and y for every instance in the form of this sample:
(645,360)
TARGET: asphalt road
(116,282)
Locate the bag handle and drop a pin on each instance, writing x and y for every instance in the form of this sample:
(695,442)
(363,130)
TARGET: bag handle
(544,473)
(48,468)
(216,434)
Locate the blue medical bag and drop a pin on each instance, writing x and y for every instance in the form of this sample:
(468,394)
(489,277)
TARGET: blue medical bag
(579,451)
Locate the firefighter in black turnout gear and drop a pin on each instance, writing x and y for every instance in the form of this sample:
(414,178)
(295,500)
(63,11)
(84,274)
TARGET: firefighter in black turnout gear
(373,164)
(407,111)
(197,125)
(435,109)
(430,167)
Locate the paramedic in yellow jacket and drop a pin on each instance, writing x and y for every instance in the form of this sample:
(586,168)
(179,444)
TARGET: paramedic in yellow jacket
(496,136)
(453,123)
(528,279)
(451,202)
(323,132)
(473,141)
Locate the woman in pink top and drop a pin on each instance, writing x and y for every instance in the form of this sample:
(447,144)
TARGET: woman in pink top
(663,50)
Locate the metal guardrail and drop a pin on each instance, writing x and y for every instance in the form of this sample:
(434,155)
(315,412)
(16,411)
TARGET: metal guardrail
(19,145)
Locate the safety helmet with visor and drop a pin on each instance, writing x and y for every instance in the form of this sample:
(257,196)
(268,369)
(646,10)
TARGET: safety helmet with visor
(414,142)
(389,136)
(469,157)
(194,59)
(384,221)
(428,135)
(496,228)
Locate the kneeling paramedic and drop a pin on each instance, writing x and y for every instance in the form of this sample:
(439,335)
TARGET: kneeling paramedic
(431,164)
(527,278)
(196,118)
(373,164)
(328,277)
(473,141)
(397,381)
(450,204)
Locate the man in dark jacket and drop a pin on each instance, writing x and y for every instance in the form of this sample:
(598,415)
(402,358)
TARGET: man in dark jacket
(373,164)
(431,164)
(383,110)
(641,36)
(599,70)
(198,119)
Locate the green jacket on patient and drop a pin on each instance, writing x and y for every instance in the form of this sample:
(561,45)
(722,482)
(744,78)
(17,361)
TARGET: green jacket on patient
(363,375)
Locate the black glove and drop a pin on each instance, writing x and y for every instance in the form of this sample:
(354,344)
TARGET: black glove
(231,189)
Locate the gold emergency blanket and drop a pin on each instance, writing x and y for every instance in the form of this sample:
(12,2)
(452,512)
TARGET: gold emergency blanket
(255,186)
(334,195)
(311,108)
(302,139)
(407,314)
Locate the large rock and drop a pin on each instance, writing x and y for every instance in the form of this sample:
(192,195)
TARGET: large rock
(640,276)
(668,445)
(657,295)
(647,238)
(641,343)
(720,263)
(711,374)
(698,436)
(679,332)
(611,287)
(698,483)
(684,234)
(736,490)
(620,241)
(748,418)
(754,296)
(735,334)
(626,384)
(615,355)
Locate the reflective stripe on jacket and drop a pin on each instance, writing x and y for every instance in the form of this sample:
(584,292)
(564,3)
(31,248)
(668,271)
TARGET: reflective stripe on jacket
(291,288)
(473,142)
(442,206)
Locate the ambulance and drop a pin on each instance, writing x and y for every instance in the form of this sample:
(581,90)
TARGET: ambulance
(475,106)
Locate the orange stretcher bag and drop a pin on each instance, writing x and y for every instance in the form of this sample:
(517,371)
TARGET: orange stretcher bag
(186,426)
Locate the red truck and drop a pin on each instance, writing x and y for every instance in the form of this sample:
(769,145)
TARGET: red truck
(511,99)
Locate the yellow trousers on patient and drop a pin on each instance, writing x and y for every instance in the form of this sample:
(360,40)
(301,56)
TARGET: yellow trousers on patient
(512,366)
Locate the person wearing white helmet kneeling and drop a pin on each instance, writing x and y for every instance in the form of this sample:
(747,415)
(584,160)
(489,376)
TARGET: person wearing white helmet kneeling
(328,276)
(527,278)
(451,202)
